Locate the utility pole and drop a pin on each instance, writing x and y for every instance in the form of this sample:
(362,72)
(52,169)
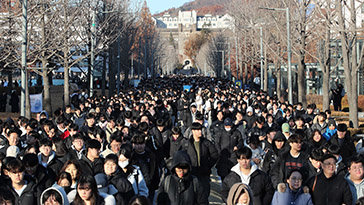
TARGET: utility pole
(24,83)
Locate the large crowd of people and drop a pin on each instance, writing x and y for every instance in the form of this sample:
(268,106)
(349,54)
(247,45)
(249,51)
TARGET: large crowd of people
(158,144)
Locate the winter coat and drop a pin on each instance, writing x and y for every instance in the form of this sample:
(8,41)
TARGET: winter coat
(272,155)
(53,163)
(124,187)
(208,157)
(171,146)
(259,183)
(291,197)
(28,196)
(58,189)
(91,168)
(137,181)
(280,170)
(177,191)
(334,190)
(147,163)
(225,143)
(357,190)
(347,147)
(317,126)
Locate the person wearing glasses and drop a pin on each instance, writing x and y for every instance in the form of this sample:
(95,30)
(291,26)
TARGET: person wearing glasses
(328,187)
(292,192)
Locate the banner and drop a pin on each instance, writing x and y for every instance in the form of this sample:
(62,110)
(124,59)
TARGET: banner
(239,83)
(36,103)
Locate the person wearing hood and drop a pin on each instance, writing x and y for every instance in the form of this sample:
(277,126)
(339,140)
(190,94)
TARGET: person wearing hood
(247,172)
(272,155)
(47,157)
(344,141)
(240,194)
(355,177)
(181,187)
(292,192)
(227,141)
(54,195)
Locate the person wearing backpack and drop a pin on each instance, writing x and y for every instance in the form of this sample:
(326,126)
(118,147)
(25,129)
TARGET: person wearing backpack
(181,187)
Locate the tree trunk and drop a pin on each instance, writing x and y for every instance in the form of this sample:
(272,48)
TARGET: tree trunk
(279,79)
(350,68)
(66,80)
(103,80)
(301,78)
(46,93)
(325,67)
(112,66)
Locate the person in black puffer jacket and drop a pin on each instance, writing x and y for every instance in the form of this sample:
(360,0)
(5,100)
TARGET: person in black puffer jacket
(180,187)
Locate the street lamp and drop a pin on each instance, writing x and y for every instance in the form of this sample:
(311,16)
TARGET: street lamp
(290,97)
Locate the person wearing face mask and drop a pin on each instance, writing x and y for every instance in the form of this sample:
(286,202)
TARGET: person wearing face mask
(240,194)
(117,178)
(132,172)
(180,187)
(292,192)
(228,140)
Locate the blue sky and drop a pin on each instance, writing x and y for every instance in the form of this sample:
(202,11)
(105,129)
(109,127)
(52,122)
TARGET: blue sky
(156,6)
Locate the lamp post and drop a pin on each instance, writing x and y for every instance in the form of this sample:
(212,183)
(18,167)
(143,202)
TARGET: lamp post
(289,50)
(24,83)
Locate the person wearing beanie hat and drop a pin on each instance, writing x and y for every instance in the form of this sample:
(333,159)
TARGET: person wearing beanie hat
(344,141)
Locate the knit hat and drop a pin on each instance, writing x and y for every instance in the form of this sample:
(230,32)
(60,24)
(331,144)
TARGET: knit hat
(249,109)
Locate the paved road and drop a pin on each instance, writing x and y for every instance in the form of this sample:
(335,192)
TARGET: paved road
(215,189)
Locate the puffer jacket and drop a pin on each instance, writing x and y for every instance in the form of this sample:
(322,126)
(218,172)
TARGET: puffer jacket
(291,197)
(186,190)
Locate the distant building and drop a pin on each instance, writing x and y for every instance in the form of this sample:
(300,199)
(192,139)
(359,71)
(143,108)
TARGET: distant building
(190,19)
(181,26)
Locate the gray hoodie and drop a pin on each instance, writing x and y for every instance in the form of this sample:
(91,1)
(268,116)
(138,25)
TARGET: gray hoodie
(60,190)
